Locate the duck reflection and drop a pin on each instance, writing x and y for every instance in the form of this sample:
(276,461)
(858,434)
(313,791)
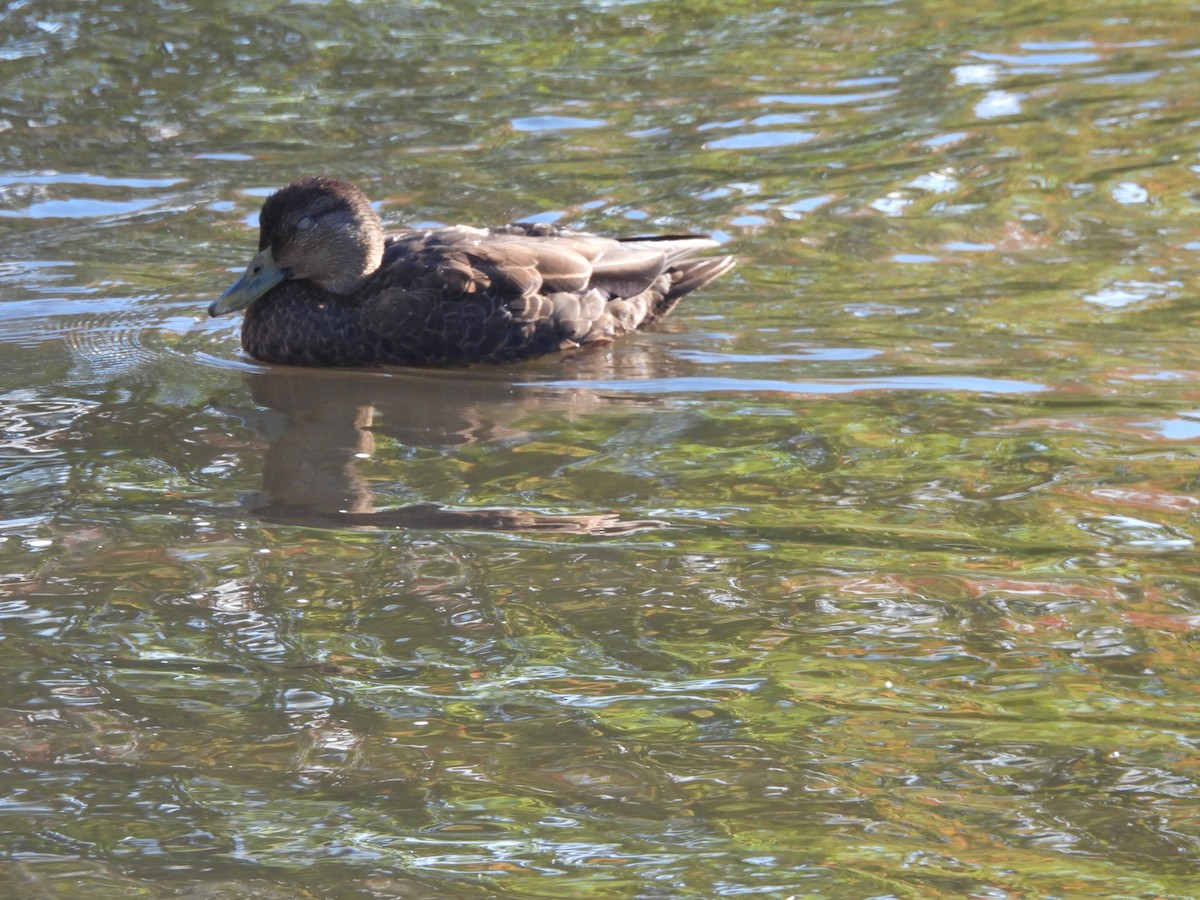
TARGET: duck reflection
(323,424)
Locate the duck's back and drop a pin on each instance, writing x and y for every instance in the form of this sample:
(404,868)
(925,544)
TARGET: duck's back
(461,295)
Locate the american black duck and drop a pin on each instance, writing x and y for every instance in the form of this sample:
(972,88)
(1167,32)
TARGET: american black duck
(329,288)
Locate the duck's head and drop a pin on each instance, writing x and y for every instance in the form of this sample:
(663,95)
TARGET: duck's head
(317,229)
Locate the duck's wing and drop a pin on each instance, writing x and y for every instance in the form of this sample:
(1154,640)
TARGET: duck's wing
(523,259)
(526,289)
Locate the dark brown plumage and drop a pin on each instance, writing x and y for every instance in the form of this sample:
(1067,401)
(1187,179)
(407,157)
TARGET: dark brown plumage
(328,288)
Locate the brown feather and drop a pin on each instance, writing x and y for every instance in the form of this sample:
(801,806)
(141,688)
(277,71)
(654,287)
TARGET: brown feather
(455,295)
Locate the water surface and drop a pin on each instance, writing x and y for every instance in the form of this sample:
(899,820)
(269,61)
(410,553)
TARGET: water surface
(871,573)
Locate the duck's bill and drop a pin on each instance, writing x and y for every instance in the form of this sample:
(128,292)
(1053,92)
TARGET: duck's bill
(260,276)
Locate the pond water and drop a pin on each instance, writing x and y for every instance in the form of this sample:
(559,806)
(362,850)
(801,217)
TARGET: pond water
(870,573)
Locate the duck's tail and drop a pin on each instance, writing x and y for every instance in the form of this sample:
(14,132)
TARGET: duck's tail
(682,272)
(686,276)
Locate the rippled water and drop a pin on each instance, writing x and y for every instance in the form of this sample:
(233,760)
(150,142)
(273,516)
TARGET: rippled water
(871,573)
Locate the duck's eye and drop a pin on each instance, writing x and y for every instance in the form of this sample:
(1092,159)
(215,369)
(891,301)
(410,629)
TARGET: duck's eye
(305,224)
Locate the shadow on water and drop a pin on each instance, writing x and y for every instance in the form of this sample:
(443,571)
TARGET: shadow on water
(320,426)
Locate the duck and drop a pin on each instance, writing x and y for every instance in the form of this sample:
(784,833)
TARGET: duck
(328,286)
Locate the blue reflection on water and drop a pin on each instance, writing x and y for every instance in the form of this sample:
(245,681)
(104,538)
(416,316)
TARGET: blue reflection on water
(685,385)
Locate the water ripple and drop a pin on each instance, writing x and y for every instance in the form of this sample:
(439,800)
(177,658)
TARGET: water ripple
(693,385)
